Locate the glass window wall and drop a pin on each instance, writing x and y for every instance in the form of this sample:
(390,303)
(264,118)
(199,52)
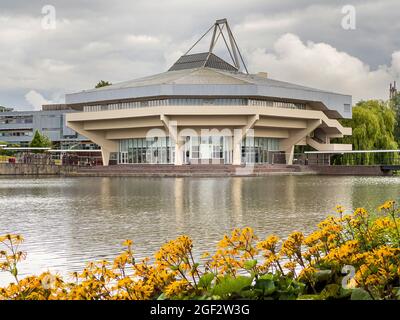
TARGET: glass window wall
(156,150)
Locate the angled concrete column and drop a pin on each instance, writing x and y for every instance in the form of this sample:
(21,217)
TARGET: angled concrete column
(289,154)
(105,155)
(179,148)
(171,127)
(287,145)
(251,121)
(107,145)
(238,136)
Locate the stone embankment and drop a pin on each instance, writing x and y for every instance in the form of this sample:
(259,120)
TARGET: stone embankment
(35,169)
(186,170)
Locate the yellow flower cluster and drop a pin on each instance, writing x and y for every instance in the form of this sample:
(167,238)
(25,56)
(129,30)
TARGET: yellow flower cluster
(369,244)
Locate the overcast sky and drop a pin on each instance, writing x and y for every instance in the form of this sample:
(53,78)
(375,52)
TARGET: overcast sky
(300,41)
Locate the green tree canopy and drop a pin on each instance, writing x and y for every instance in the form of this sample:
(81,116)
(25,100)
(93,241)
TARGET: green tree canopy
(103,83)
(8,152)
(373,125)
(40,141)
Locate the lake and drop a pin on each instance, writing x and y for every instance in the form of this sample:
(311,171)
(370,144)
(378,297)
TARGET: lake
(67,222)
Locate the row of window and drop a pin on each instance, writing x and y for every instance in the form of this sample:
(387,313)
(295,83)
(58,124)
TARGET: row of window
(277,104)
(193,102)
(156,150)
(161,150)
(16,119)
(16,133)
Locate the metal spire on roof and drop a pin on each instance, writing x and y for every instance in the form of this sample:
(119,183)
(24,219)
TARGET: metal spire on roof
(232,46)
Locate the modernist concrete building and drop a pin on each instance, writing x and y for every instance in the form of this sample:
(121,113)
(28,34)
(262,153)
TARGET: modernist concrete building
(206,110)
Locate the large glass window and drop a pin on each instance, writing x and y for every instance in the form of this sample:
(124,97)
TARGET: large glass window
(142,150)
(161,151)
(258,150)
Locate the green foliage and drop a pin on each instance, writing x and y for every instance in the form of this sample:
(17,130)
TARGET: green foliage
(206,280)
(40,141)
(360,294)
(229,287)
(250,264)
(373,125)
(266,287)
(8,153)
(103,83)
(4,109)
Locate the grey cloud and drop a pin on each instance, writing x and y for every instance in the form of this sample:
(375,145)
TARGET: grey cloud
(119,40)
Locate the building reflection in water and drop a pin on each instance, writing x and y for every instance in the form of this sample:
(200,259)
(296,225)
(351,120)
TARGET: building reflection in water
(236,200)
(179,195)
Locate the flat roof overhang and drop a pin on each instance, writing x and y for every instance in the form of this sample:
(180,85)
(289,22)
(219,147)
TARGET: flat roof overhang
(332,101)
(226,111)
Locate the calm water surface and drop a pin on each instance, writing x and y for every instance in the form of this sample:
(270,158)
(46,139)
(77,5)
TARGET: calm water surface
(69,221)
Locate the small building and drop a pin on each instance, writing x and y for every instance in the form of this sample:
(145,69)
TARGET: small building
(18,127)
(207,110)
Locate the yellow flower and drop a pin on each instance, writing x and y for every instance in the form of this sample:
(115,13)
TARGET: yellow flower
(175,288)
(387,205)
(127,243)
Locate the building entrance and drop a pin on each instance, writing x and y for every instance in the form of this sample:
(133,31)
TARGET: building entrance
(207,150)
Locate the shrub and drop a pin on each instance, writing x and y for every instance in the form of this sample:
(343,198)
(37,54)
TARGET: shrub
(242,267)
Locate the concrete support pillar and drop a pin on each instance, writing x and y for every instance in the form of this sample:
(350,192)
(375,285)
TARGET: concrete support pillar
(179,149)
(237,154)
(289,154)
(237,148)
(105,154)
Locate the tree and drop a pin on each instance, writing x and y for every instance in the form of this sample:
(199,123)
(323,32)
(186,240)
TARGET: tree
(40,141)
(4,109)
(373,125)
(103,83)
(8,152)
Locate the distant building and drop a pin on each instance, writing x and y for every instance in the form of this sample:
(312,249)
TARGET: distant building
(4,109)
(18,127)
(392,90)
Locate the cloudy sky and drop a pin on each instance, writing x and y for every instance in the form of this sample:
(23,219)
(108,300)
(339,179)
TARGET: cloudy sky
(300,41)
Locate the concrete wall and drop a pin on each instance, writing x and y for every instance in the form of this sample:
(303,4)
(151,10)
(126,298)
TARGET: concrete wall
(348,170)
(29,169)
(34,169)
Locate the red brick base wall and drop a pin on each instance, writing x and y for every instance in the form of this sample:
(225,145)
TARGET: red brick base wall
(349,170)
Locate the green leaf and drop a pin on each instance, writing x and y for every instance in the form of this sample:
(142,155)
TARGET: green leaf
(309,297)
(229,285)
(268,276)
(250,264)
(161,296)
(205,280)
(331,291)
(322,275)
(14,271)
(360,294)
(267,286)
(396,291)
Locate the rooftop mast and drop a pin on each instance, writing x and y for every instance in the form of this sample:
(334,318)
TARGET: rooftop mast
(232,47)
